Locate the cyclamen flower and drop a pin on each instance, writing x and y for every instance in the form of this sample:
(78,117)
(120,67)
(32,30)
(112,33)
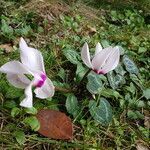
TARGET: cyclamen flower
(31,64)
(104,60)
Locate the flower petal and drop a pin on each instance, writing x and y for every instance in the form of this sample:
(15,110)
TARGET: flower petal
(99,60)
(47,90)
(14,67)
(85,55)
(98,48)
(19,81)
(28,100)
(112,61)
(31,57)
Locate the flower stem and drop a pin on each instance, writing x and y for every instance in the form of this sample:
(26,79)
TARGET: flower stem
(84,77)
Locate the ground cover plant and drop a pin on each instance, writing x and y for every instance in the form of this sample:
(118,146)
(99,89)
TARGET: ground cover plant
(108,111)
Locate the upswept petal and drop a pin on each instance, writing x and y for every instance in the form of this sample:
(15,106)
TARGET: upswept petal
(85,55)
(99,60)
(28,100)
(98,48)
(31,57)
(18,81)
(47,90)
(14,67)
(112,61)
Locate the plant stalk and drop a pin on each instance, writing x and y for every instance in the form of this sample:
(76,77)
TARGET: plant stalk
(84,77)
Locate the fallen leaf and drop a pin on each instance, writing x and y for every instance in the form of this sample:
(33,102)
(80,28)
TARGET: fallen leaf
(7,47)
(91,30)
(55,124)
(141,146)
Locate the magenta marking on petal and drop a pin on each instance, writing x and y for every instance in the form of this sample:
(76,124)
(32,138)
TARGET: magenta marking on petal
(41,82)
(99,72)
(95,71)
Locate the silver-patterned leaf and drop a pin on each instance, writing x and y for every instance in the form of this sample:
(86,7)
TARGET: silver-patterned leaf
(130,65)
(94,84)
(101,113)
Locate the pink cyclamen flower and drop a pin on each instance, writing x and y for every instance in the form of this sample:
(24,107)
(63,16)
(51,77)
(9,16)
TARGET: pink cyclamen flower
(104,60)
(31,64)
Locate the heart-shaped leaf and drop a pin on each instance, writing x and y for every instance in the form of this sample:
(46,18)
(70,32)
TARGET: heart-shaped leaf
(101,113)
(32,122)
(130,65)
(115,80)
(55,124)
(72,56)
(80,72)
(20,136)
(72,105)
(94,84)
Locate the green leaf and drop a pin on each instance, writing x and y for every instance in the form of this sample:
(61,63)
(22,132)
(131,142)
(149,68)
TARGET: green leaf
(31,110)
(115,80)
(131,88)
(120,70)
(111,76)
(142,50)
(109,93)
(80,72)
(13,93)
(72,105)
(101,113)
(135,115)
(119,80)
(62,74)
(20,137)
(141,104)
(146,93)
(15,111)
(6,29)
(32,122)
(72,56)
(130,65)
(94,84)
(105,43)
(10,104)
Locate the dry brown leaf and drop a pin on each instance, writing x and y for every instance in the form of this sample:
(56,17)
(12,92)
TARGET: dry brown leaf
(91,30)
(7,47)
(55,124)
(141,146)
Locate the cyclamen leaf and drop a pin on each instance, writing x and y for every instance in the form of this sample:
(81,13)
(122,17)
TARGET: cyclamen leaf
(13,93)
(130,65)
(15,111)
(55,124)
(31,110)
(109,93)
(119,70)
(80,72)
(111,76)
(101,113)
(94,84)
(72,105)
(32,122)
(20,136)
(146,93)
(6,29)
(72,56)
(115,80)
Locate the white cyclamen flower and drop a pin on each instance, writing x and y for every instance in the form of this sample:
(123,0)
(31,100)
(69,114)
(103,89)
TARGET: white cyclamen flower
(31,64)
(104,60)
